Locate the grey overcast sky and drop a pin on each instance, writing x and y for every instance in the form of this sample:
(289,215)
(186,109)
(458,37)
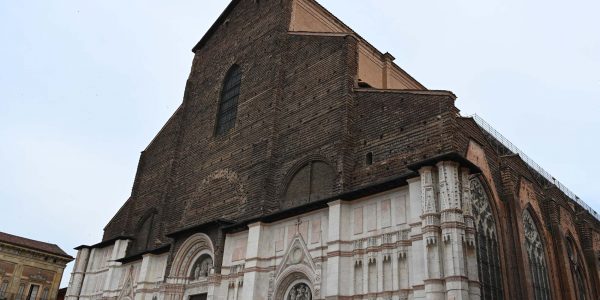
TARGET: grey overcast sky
(85,86)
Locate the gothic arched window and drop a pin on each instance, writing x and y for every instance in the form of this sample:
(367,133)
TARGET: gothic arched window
(536,257)
(576,271)
(202,267)
(228,103)
(488,256)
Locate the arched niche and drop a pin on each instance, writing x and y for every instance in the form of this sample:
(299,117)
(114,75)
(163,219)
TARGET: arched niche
(144,231)
(202,266)
(310,181)
(294,280)
(188,254)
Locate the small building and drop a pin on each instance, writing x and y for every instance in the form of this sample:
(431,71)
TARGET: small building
(29,269)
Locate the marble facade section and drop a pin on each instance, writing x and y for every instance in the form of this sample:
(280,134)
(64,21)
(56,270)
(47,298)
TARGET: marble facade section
(414,242)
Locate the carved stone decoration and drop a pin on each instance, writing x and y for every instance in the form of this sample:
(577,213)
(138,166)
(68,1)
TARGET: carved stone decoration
(488,255)
(537,258)
(38,277)
(296,255)
(296,266)
(223,182)
(428,195)
(127,290)
(195,247)
(202,267)
(300,291)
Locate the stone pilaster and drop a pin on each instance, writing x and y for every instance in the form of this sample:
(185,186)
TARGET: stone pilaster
(430,216)
(470,254)
(416,248)
(333,262)
(76,282)
(453,231)
(251,283)
(118,251)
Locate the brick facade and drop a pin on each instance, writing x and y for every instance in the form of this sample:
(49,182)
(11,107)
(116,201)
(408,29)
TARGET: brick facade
(300,102)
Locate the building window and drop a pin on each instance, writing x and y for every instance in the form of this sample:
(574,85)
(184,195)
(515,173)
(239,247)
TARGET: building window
(537,258)
(33,291)
(576,270)
(20,292)
(45,293)
(3,288)
(369,158)
(202,267)
(228,103)
(488,256)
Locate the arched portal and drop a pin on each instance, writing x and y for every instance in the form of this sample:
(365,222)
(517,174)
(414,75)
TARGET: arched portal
(192,251)
(295,286)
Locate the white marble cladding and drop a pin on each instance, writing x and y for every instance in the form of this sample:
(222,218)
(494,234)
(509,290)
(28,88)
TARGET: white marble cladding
(413,242)
(98,276)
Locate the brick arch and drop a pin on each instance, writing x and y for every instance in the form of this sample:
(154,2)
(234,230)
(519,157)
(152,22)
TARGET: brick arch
(299,182)
(569,231)
(190,250)
(529,200)
(222,192)
(144,231)
(149,213)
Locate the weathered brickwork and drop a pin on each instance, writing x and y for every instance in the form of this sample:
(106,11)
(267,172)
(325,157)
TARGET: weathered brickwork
(300,102)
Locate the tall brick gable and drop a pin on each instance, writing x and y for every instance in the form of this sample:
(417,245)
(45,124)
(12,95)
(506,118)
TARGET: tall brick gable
(303,99)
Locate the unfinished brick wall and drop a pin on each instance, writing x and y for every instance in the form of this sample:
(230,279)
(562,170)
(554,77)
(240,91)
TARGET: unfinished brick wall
(299,103)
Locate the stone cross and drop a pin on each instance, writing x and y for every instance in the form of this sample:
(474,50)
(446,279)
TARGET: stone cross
(298,223)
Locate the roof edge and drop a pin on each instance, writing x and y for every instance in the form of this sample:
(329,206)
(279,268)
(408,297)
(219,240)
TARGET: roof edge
(104,243)
(417,92)
(215,25)
(63,256)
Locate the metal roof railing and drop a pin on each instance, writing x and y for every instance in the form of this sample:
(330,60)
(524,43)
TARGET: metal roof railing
(532,164)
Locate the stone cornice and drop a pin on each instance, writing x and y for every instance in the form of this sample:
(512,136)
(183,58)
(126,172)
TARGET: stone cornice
(33,254)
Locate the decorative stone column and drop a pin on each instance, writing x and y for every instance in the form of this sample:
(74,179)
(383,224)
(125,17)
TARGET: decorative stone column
(453,231)
(76,282)
(469,238)
(430,216)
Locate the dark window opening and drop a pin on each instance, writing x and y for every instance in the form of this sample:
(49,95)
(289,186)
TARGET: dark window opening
(20,292)
(362,84)
(33,291)
(198,297)
(45,294)
(369,158)
(228,103)
(3,288)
